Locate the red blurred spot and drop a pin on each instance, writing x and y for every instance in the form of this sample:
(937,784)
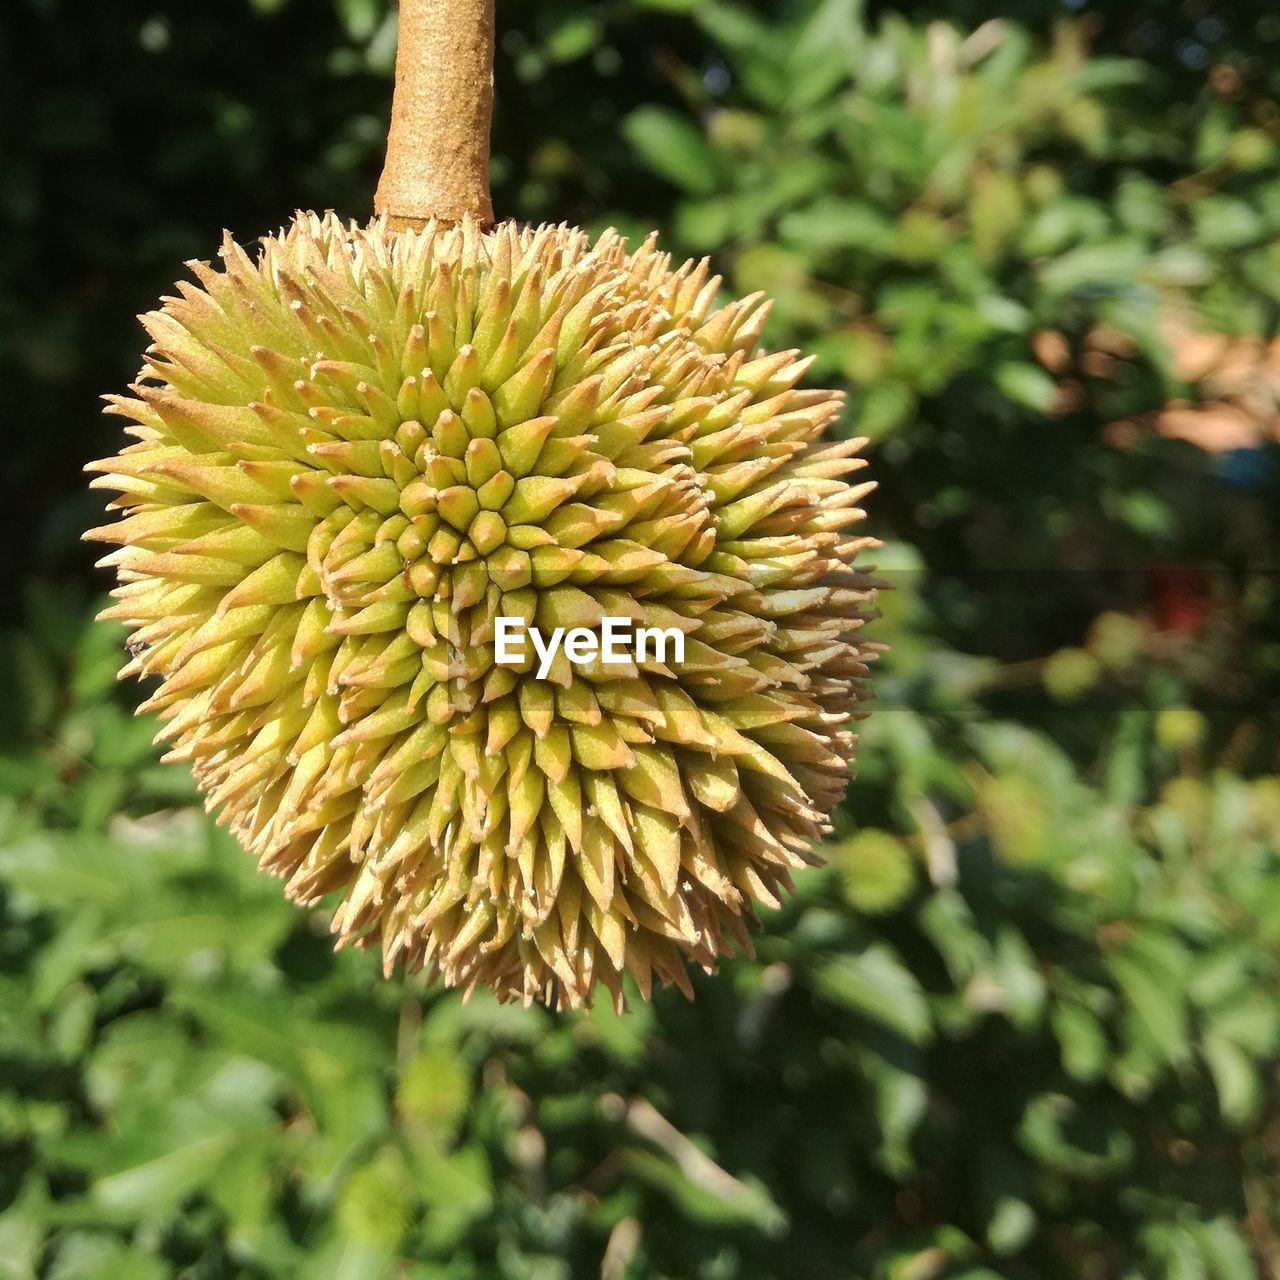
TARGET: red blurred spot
(1182,597)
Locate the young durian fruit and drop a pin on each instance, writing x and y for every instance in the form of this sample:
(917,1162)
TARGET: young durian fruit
(355,451)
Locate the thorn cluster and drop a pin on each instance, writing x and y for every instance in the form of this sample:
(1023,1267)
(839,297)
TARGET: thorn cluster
(355,452)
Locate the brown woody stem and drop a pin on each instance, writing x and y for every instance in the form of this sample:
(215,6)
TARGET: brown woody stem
(438,149)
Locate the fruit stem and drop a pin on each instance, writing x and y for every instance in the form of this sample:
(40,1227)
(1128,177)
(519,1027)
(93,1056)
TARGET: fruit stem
(438,148)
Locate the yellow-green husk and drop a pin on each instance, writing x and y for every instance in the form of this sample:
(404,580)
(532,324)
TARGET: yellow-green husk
(357,449)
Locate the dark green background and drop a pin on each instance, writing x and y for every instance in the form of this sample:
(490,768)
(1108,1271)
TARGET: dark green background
(1025,1023)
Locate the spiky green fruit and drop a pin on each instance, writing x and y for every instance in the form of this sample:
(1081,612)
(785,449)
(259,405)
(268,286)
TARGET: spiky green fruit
(357,451)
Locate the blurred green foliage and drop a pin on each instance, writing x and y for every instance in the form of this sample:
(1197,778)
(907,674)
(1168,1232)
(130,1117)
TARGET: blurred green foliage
(1025,1023)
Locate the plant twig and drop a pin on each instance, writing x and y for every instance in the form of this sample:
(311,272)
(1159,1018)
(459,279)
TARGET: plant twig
(645,1120)
(438,149)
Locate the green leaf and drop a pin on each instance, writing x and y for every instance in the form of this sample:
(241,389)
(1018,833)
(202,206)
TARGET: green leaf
(1027,385)
(885,407)
(673,147)
(84,1255)
(1084,1142)
(876,984)
(458,1190)
(901,1100)
(360,17)
(573,37)
(828,224)
(1225,1249)
(153,1171)
(1155,996)
(827,51)
(1011,1225)
(1082,1039)
(1234,1077)
(1107,268)
(22,1231)
(55,870)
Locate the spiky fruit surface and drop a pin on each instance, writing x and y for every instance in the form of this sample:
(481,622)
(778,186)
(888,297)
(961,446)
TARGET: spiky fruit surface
(357,451)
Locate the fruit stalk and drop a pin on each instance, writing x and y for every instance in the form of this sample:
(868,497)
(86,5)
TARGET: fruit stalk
(438,149)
